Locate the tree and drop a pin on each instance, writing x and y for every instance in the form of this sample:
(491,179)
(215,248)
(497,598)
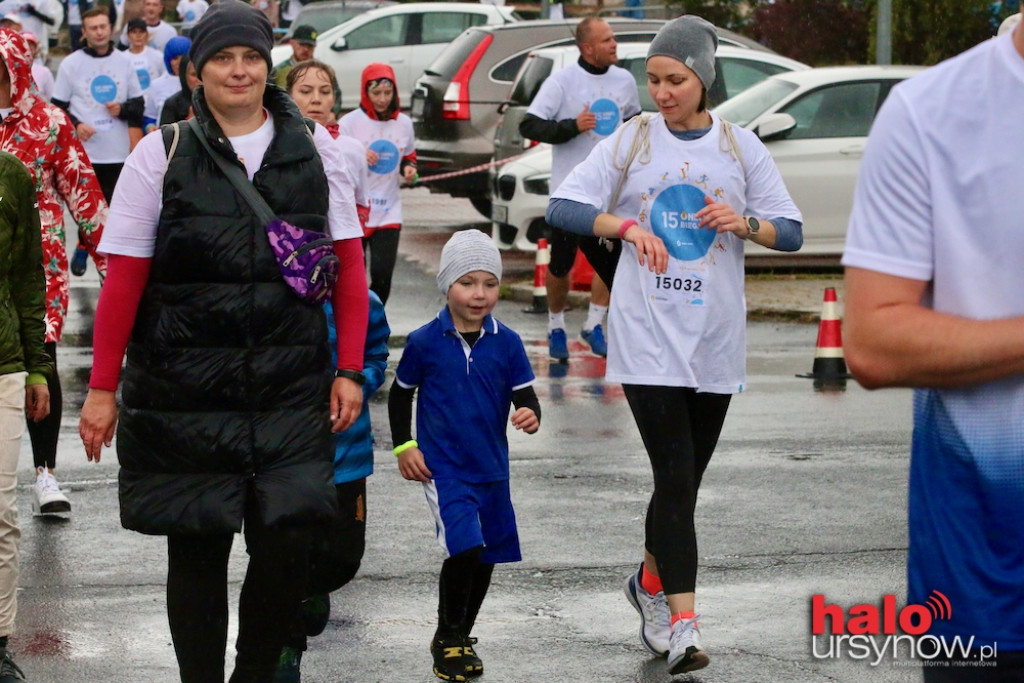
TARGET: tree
(816,32)
(928,31)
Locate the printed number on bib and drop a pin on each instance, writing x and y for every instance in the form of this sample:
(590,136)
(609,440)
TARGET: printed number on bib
(680,285)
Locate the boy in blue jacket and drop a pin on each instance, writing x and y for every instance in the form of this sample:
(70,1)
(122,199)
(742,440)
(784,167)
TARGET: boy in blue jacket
(337,550)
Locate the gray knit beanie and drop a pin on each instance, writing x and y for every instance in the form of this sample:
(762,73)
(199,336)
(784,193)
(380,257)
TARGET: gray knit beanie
(465,252)
(691,40)
(230,23)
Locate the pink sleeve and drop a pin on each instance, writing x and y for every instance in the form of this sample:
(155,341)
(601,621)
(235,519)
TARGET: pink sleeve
(351,304)
(115,317)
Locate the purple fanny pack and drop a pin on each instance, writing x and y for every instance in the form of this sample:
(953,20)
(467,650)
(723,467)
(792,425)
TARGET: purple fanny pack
(306,259)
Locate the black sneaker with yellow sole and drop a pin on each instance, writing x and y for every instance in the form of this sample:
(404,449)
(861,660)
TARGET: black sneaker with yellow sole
(449,654)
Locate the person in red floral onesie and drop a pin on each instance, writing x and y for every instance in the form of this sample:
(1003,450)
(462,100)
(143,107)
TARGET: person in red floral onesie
(41,135)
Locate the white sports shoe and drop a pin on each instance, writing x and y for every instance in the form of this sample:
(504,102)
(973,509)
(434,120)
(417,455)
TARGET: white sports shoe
(47,498)
(685,652)
(654,615)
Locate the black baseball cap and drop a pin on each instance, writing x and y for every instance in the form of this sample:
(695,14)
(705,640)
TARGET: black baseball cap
(304,35)
(137,24)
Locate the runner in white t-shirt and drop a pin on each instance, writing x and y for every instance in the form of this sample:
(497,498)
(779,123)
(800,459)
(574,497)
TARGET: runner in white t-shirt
(148,62)
(100,90)
(694,191)
(387,136)
(933,301)
(190,12)
(574,110)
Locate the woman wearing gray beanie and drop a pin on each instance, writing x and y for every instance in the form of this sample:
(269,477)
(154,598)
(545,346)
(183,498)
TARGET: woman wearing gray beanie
(683,190)
(229,397)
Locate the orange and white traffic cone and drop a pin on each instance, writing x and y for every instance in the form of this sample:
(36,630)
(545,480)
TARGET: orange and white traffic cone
(540,274)
(829,363)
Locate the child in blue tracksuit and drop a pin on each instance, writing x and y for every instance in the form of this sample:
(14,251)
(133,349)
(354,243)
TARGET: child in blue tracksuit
(337,550)
(469,369)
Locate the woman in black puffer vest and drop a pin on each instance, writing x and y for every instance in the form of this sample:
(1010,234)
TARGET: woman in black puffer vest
(229,394)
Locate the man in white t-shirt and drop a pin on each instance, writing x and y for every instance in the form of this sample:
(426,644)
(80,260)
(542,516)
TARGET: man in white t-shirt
(147,61)
(189,12)
(574,110)
(100,90)
(159,30)
(933,301)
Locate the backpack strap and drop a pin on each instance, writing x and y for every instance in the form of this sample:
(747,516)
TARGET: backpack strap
(640,147)
(727,143)
(172,134)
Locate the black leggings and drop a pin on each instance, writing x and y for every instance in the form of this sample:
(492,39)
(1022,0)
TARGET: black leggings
(335,551)
(383,247)
(107,175)
(461,591)
(197,600)
(680,430)
(563,254)
(44,434)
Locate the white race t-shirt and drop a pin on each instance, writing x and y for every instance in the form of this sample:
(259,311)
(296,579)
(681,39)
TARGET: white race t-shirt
(131,224)
(355,166)
(158,92)
(43,77)
(88,83)
(191,11)
(148,64)
(392,140)
(686,327)
(935,199)
(611,97)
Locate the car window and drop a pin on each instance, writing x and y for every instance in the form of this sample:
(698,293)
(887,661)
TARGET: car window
(507,70)
(323,18)
(754,101)
(739,74)
(530,79)
(447,63)
(638,67)
(383,32)
(840,111)
(442,27)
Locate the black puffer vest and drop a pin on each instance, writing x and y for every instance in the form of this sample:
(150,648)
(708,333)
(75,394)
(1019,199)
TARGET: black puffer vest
(226,390)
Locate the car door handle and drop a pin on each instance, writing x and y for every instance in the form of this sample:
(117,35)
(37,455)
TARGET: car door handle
(855,150)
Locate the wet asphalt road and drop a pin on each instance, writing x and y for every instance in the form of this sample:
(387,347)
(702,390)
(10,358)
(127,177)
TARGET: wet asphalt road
(806,494)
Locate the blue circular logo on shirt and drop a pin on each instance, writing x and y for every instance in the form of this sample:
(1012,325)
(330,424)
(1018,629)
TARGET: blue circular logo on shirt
(143,77)
(190,15)
(103,89)
(674,220)
(607,114)
(387,156)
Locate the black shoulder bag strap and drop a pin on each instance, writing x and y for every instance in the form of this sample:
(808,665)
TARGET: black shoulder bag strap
(235,175)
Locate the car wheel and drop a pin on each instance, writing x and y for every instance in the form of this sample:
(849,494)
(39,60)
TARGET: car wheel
(483,205)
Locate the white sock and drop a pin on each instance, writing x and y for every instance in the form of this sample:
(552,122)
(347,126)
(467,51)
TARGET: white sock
(595,316)
(556,321)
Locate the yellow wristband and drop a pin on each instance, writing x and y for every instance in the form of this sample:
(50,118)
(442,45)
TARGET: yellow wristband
(411,443)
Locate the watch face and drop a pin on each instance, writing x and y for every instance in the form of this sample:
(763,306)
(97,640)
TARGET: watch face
(753,224)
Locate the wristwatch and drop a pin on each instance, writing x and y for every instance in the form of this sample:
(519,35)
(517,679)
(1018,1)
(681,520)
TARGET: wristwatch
(354,375)
(753,225)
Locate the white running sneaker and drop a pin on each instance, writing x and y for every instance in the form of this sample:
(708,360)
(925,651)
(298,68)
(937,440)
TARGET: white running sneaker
(47,498)
(654,615)
(685,651)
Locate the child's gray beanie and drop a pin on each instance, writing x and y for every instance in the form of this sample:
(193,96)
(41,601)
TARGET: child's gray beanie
(691,40)
(465,252)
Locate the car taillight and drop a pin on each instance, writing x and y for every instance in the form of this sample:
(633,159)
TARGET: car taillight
(455,103)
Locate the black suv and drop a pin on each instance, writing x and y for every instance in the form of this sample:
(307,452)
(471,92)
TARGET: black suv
(455,102)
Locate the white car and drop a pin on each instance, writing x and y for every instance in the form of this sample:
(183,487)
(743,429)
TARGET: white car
(520,187)
(406,36)
(815,124)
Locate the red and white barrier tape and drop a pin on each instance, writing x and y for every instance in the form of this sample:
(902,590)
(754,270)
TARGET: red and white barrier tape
(466,171)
